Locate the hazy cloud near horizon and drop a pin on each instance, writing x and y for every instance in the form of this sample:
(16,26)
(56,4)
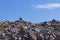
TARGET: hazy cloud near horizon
(47,6)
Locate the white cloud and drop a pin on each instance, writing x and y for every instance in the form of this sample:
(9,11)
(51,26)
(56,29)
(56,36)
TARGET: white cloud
(47,6)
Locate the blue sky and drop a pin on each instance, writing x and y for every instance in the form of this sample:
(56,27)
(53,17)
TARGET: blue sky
(30,10)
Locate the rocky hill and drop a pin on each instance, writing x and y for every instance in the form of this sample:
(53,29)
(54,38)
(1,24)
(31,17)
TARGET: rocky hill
(25,30)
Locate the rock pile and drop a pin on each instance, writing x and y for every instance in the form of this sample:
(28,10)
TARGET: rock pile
(23,30)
